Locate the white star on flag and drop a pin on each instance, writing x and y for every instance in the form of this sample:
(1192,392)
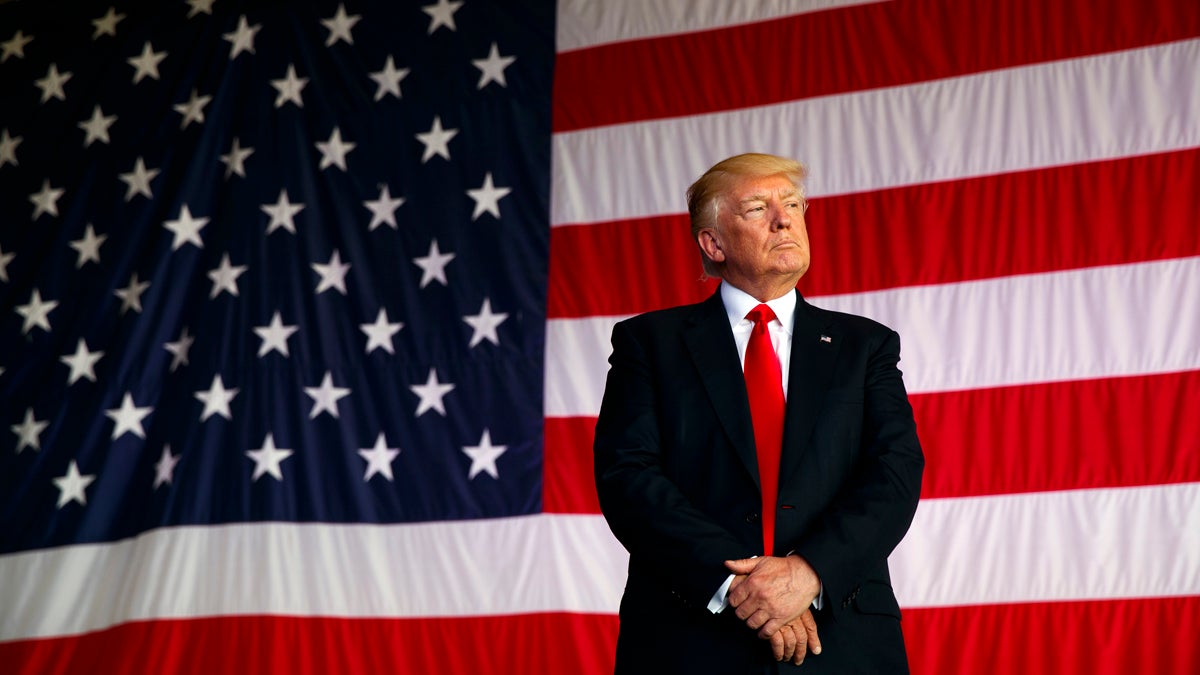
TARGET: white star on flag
(186,229)
(289,88)
(88,246)
(442,14)
(131,295)
(379,459)
(52,84)
(96,127)
(107,24)
(224,278)
(487,197)
(128,417)
(28,432)
(199,7)
(431,394)
(8,148)
(72,485)
(383,210)
(146,64)
(334,151)
(485,324)
(492,68)
(388,80)
(242,38)
(326,396)
(5,258)
(267,459)
(164,469)
(216,399)
(193,109)
(235,161)
(433,266)
(46,200)
(333,274)
(339,26)
(14,46)
(82,363)
(484,456)
(379,334)
(36,312)
(282,212)
(274,336)
(179,349)
(436,140)
(138,180)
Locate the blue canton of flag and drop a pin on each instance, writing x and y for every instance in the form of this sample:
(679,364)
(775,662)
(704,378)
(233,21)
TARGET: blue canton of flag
(266,261)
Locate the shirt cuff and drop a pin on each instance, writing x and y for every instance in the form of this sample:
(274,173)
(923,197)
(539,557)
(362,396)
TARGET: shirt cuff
(720,599)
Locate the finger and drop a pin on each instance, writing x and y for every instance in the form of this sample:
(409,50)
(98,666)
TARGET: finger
(778,647)
(790,642)
(757,620)
(769,627)
(801,645)
(738,591)
(742,565)
(810,629)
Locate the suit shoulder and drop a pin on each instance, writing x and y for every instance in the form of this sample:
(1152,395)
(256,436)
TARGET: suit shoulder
(853,323)
(661,318)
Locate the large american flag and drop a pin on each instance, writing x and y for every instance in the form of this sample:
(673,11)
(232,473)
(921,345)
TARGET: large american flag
(304,312)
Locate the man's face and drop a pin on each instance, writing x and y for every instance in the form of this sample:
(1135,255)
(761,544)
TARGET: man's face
(760,236)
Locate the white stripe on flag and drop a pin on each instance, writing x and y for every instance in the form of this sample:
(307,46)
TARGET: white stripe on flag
(1049,546)
(1078,545)
(587,23)
(1114,105)
(1135,319)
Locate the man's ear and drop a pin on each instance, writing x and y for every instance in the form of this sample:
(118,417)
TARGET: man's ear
(711,245)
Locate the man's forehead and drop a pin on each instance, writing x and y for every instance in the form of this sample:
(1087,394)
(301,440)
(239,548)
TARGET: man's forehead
(763,188)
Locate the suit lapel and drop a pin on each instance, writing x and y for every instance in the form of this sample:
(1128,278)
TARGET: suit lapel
(815,346)
(714,353)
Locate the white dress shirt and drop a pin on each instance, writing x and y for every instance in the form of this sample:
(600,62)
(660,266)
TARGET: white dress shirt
(738,304)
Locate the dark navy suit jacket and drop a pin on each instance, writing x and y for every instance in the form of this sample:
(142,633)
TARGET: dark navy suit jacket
(678,483)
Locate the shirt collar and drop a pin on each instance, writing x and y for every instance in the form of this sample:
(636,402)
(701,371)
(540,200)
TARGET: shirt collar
(738,304)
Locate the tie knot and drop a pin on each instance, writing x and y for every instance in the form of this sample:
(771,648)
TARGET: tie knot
(762,314)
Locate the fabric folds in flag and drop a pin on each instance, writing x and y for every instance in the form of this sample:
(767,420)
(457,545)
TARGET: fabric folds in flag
(305,308)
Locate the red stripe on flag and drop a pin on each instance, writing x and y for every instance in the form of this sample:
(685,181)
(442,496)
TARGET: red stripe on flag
(1103,433)
(569,485)
(940,641)
(1119,432)
(906,41)
(1112,637)
(582,644)
(623,267)
(1103,213)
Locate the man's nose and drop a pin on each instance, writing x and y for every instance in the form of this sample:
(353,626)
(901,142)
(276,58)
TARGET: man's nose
(780,218)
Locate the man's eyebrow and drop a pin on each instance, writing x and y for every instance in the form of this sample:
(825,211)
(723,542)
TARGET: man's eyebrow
(761,197)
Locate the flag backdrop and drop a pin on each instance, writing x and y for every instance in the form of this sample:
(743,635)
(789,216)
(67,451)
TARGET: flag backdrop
(304,315)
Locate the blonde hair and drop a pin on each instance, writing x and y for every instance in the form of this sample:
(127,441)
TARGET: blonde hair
(704,196)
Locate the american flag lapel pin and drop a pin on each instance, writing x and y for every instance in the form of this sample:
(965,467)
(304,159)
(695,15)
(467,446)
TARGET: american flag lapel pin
(826,338)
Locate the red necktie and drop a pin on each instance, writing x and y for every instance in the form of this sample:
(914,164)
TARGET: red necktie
(764,387)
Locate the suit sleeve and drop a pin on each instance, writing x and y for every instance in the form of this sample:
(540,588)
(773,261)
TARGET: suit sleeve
(663,531)
(873,510)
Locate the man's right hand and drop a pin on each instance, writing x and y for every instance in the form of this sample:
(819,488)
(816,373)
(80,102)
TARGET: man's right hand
(793,641)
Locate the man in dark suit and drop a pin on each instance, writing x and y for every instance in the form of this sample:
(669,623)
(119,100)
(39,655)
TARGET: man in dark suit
(758,464)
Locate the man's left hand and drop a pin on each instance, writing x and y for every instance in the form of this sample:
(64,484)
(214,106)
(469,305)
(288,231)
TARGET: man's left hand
(773,592)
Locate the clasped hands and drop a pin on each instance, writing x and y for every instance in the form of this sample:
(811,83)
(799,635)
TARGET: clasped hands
(774,596)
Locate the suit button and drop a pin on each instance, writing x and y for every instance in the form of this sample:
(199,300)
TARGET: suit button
(752,518)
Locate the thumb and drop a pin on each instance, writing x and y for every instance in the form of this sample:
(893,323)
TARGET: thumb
(742,565)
